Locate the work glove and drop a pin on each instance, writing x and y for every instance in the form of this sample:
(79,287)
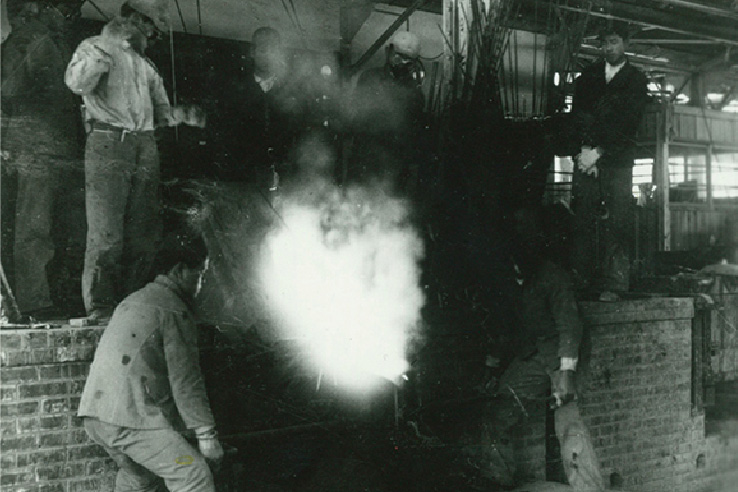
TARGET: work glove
(210,448)
(587,160)
(564,387)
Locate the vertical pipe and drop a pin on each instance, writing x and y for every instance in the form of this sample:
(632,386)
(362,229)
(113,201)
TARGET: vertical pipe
(534,75)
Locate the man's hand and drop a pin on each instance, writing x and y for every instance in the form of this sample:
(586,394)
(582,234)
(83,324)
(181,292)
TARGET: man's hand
(564,386)
(211,448)
(587,160)
(188,115)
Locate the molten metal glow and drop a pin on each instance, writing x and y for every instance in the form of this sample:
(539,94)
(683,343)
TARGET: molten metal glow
(342,276)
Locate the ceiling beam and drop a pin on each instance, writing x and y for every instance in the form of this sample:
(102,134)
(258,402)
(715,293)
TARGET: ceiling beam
(701,7)
(674,41)
(663,27)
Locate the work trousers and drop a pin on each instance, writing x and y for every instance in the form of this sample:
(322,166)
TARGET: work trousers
(146,457)
(33,248)
(603,227)
(123,222)
(529,379)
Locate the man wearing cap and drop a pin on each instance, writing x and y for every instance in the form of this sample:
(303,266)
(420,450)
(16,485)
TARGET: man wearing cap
(145,392)
(609,99)
(388,117)
(40,142)
(258,130)
(125,101)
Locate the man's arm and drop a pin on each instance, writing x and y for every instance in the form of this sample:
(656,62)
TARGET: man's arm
(565,312)
(185,377)
(88,64)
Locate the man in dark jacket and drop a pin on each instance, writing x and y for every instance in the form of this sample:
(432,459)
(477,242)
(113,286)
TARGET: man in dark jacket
(389,119)
(547,351)
(609,99)
(145,387)
(41,129)
(257,127)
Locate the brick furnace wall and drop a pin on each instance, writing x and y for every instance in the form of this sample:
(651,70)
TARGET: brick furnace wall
(637,400)
(43,446)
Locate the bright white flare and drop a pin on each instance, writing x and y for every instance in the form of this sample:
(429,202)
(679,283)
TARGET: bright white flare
(342,276)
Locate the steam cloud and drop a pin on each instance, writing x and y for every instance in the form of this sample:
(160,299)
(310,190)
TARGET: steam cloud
(341,276)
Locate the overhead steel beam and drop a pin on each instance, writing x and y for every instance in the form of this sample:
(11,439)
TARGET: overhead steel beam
(732,42)
(701,7)
(674,41)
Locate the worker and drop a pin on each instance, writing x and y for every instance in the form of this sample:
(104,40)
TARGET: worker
(125,100)
(609,99)
(145,392)
(547,351)
(258,126)
(388,118)
(40,142)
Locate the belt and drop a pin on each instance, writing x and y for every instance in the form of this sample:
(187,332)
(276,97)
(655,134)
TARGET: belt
(99,126)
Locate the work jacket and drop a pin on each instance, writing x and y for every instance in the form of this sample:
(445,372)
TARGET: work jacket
(118,85)
(550,313)
(608,114)
(146,372)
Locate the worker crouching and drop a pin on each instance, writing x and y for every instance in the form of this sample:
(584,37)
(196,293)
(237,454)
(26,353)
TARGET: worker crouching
(548,352)
(145,390)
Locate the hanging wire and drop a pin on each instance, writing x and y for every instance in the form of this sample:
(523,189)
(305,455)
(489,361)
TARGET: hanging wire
(181,18)
(99,10)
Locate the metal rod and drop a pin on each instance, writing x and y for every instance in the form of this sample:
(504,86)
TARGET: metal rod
(199,17)
(239,436)
(181,17)
(648,24)
(386,35)
(98,10)
(703,8)
(674,41)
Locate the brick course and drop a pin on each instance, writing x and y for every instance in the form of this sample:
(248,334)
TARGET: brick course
(44,448)
(636,399)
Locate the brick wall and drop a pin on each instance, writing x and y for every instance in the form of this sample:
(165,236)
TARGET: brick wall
(43,446)
(637,400)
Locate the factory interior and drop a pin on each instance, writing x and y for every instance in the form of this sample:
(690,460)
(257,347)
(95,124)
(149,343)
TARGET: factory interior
(446,250)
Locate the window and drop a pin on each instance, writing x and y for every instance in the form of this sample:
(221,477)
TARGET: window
(724,174)
(687,174)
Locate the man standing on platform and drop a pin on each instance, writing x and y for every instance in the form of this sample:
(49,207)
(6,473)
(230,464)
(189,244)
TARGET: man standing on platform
(389,118)
(40,142)
(125,101)
(608,104)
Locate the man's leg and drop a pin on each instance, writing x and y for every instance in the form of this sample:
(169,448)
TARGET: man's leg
(585,202)
(578,455)
(524,380)
(162,452)
(143,223)
(34,247)
(131,476)
(617,228)
(107,183)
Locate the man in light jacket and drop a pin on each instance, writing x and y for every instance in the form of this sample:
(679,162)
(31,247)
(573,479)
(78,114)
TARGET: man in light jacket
(145,388)
(125,100)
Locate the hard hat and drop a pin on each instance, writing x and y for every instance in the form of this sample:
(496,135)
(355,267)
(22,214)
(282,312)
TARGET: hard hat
(406,43)
(156,10)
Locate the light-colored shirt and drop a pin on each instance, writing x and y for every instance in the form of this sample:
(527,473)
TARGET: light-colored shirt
(612,70)
(119,87)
